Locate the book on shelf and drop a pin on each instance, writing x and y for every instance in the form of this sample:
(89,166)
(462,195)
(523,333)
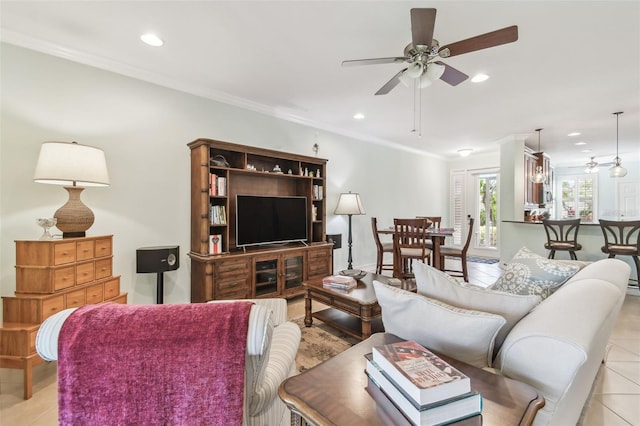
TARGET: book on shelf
(222,186)
(215,244)
(213,184)
(436,413)
(217,215)
(217,185)
(421,374)
(339,282)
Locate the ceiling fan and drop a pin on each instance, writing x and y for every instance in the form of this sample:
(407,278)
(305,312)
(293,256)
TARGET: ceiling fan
(423,54)
(592,166)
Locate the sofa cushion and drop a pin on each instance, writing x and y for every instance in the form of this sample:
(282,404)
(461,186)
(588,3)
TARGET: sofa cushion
(438,285)
(463,334)
(530,273)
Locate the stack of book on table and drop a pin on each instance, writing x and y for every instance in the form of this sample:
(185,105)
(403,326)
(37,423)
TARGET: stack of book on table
(424,387)
(339,282)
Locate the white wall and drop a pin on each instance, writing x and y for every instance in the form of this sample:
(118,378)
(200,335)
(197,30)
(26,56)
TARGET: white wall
(144,129)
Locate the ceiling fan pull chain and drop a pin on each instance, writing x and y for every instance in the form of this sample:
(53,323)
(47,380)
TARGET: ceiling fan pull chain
(419,111)
(414,107)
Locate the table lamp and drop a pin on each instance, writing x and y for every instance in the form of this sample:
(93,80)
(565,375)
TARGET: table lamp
(74,166)
(349,204)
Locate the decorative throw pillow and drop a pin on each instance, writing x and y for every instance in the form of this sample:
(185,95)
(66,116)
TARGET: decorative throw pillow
(530,273)
(438,285)
(463,334)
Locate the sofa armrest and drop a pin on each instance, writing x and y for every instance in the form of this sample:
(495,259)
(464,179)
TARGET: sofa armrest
(558,347)
(47,337)
(277,306)
(282,356)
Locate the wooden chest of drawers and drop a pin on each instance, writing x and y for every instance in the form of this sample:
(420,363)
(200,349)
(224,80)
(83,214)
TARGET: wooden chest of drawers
(52,276)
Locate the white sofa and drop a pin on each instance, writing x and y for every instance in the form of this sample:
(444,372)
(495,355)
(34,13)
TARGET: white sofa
(272,345)
(555,345)
(559,346)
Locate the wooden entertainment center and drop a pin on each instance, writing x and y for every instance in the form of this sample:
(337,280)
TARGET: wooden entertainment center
(220,269)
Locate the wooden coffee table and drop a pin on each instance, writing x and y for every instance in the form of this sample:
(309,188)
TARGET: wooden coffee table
(338,392)
(355,312)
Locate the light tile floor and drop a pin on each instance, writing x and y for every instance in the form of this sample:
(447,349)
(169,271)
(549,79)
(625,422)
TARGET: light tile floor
(615,400)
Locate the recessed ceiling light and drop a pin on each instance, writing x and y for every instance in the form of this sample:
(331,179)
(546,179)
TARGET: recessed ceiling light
(151,39)
(574,134)
(479,78)
(464,152)
(586,150)
(580,143)
(358,116)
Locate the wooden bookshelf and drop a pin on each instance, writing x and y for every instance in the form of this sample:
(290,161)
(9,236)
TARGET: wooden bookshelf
(236,272)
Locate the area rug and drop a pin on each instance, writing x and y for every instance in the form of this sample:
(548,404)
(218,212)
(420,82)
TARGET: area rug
(319,343)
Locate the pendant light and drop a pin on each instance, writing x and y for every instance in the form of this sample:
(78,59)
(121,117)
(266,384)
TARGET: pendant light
(538,176)
(617,170)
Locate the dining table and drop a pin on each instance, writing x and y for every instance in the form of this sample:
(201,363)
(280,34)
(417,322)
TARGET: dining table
(436,235)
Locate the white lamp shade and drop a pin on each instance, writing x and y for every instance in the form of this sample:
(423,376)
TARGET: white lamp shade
(349,203)
(434,71)
(414,70)
(71,164)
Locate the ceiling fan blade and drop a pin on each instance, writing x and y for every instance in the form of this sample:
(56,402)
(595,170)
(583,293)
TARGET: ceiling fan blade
(484,41)
(373,61)
(452,75)
(422,23)
(389,85)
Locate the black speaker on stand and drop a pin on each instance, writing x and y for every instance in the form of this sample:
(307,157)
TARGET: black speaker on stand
(159,260)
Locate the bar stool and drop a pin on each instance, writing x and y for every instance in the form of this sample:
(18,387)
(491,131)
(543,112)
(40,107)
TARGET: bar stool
(382,249)
(622,238)
(562,235)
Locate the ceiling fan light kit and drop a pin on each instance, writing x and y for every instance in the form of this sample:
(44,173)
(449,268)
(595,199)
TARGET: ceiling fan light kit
(592,166)
(617,170)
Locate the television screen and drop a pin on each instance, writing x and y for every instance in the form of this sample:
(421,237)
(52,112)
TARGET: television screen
(269,219)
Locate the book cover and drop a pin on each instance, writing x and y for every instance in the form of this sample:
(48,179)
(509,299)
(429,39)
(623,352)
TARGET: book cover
(423,375)
(339,282)
(213,188)
(439,413)
(215,244)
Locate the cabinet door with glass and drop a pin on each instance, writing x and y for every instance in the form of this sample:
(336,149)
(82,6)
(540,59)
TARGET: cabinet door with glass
(293,272)
(279,275)
(266,276)
(577,197)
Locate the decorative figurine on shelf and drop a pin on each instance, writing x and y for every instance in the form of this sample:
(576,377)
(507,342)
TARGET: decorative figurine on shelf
(46,223)
(290,172)
(277,169)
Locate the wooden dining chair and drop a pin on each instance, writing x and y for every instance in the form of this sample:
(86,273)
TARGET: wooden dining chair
(562,235)
(435,222)
(382,249)
(409,240)
(459,252)
(622,238)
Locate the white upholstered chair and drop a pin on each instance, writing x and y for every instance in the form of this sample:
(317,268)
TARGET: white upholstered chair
(272,344)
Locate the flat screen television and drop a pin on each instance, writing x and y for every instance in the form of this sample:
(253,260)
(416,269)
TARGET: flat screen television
(270,219)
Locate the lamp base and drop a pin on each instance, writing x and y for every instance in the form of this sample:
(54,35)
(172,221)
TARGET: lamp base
(74,234)
(74,218)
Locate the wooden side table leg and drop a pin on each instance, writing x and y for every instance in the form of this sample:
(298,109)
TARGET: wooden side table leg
(365,322)
(28,378)
(308,319)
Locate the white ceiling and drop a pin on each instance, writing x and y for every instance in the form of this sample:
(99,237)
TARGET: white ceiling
(575,63)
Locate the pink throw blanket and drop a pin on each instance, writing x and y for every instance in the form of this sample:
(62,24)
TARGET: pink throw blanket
(153,364)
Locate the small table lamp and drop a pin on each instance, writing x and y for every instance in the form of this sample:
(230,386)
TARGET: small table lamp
(75,166)
(349,204)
